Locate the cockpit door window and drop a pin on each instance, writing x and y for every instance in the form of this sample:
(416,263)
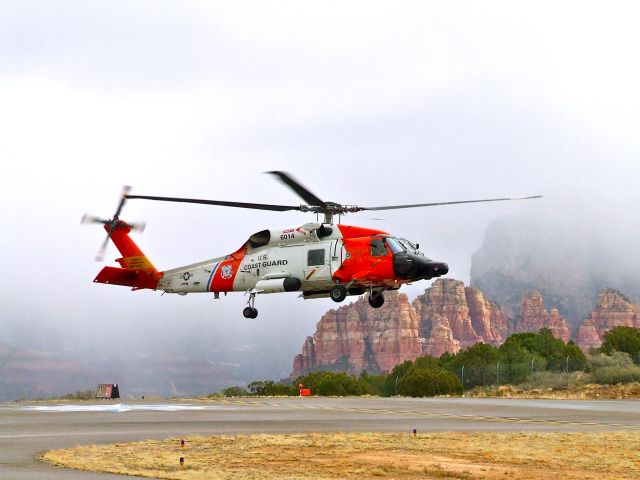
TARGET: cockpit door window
(377,248)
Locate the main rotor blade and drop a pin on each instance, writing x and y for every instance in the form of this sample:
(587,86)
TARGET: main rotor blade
(256,206)
(297,187)
(394,207)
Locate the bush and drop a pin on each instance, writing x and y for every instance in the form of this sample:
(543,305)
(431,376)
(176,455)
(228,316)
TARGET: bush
(334,384)
(616,359)
(78,395)
(622,339)
(235,392)
(615,375)
(546,381)
(330,387)
(428,382)
(271,388)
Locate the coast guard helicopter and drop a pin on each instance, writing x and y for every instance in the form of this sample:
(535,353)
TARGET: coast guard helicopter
(318,259)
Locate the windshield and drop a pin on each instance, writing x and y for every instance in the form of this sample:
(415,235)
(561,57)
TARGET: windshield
(409,246)
(394,245)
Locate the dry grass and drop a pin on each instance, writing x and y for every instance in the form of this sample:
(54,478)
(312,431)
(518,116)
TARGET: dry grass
(369,455)
(590,391)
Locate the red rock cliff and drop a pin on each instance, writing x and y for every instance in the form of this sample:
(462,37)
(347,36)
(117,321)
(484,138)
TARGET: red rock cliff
(446,318)
(356,337)
(534,316)
(613,310)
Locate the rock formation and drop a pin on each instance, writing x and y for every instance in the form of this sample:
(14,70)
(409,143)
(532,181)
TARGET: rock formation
(613,310)
(534,316)
(568,258)
(487,318)
(357,337)
(446,318)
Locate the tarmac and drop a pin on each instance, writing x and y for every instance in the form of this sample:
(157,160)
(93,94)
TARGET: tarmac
(29,429)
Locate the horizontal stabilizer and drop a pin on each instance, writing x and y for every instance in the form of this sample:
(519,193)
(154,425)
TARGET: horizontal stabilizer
(129,278)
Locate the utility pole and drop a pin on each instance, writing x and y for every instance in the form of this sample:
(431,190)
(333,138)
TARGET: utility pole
(532,360)
(463,378)
(498,374)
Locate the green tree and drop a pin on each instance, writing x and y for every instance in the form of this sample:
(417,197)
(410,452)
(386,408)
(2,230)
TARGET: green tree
(427,382)
(479,363)
(390,384)
(622,339)
(235,392)
(547,351)
(515,362)
(333,383)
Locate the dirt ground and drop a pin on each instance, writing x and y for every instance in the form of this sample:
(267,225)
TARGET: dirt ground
(369,455)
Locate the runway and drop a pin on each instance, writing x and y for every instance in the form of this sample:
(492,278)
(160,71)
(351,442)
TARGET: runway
(29,429)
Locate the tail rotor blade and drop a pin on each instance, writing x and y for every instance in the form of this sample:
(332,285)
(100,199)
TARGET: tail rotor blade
(86,218)
(103,248)
(138,227)
(123,199)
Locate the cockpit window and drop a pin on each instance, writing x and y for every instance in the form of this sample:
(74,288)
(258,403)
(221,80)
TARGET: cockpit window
(377,248)
(394,245)
(407,245)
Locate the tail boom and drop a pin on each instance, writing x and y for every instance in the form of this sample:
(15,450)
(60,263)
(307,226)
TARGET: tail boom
(137,270)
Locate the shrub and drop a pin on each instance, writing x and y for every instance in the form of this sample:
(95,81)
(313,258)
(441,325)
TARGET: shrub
(271,388)
(235,392)
(334,383)
(615,375)
(622,339)
(546,381)
(616,359)
(422,382)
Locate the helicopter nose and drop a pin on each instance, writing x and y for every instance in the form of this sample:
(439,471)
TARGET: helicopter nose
(418,267)
(439,268)
(433,269)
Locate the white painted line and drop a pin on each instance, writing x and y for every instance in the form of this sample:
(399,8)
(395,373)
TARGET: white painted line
(123,407)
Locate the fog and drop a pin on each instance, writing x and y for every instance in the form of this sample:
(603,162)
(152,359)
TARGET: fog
(365,103)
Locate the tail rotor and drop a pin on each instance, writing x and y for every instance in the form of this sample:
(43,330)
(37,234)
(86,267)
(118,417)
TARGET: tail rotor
(113,223)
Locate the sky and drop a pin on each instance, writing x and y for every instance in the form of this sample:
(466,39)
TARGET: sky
(367,103)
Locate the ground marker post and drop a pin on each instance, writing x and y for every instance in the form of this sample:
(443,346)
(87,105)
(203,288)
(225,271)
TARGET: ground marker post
(181,462)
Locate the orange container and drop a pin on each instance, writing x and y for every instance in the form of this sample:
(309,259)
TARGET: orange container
(305,392)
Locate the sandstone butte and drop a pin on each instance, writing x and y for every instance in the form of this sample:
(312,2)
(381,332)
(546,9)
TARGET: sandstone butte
(446,318)
(613,310)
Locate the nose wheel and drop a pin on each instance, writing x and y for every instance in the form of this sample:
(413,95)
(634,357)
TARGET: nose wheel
(338,293)
(250,311)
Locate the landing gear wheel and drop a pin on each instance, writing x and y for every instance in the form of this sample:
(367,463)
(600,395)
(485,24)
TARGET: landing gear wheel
(338,293)
(250,312)
(376,300)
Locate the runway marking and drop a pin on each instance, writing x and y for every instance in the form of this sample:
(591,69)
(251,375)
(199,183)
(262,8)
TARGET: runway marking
(478,418)
(75,434)
(224,404)
(120,408)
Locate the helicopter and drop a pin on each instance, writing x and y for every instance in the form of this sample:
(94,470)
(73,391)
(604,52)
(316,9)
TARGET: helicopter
(318,259)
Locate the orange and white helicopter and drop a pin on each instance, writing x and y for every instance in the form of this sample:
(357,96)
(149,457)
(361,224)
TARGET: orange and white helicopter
(318,259)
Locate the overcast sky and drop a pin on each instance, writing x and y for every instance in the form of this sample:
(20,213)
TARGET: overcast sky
(370,103)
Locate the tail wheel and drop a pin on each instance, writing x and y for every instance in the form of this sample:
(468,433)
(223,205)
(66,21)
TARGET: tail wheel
(250,312)
(338,293)
(376,300)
